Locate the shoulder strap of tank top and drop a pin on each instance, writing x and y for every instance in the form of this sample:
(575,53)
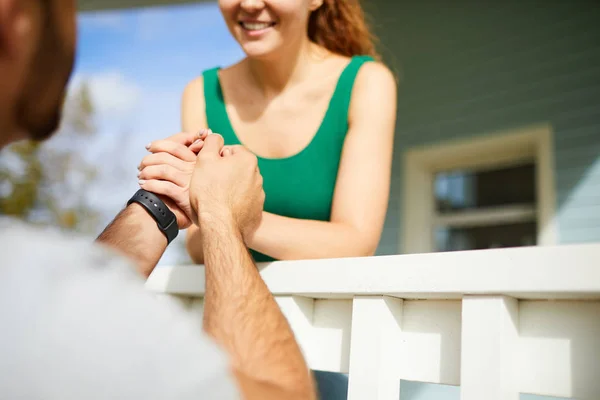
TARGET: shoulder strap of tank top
(343,92)
(213,97)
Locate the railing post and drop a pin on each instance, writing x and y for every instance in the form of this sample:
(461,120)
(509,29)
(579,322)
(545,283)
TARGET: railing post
(373,319)
(489,341)
(299,313)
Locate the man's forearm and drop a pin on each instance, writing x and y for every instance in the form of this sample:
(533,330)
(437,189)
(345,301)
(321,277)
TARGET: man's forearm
(193,244)
(242,315)
(135,234)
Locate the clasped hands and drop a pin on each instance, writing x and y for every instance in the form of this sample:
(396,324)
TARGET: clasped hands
(200,179)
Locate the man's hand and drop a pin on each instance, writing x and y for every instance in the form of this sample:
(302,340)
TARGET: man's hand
(168,170)
(133,232)
(226,184)
(240,312)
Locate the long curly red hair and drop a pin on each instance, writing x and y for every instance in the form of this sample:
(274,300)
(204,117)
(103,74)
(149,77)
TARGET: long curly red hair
(340,27)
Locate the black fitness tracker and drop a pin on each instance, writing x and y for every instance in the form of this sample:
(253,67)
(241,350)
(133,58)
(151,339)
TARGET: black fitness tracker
(165,219)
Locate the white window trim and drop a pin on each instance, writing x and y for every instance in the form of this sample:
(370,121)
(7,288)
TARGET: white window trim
(488,216)
(532,143)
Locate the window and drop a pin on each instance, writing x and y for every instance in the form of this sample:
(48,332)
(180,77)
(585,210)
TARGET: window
(490,192)
(480,209)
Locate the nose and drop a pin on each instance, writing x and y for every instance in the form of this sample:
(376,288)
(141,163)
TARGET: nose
(252,5)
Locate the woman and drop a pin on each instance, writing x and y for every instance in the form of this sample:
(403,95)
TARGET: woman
(313,103)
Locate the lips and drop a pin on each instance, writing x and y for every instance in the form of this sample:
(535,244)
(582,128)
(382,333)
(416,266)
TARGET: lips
(256,26)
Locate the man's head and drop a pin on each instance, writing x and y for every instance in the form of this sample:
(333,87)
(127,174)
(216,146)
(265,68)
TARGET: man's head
(37,48)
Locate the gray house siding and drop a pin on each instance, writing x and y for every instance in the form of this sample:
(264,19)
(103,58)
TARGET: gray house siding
(469,68)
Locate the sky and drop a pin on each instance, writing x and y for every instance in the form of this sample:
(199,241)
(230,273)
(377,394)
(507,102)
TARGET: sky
(137,63)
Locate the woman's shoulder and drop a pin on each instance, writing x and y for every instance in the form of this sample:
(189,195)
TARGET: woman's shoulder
(193,104)
(367,74)
(196,85)
(194,98)
(375,84)
(375,74)
(370,69)
(194,89)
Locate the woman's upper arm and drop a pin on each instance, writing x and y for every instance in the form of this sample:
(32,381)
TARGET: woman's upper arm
(362,189)
(193,106)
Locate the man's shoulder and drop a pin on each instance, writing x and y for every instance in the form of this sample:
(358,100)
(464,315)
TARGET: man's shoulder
(34,246)
(75,305)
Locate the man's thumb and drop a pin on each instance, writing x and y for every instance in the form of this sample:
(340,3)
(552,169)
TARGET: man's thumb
(213,144)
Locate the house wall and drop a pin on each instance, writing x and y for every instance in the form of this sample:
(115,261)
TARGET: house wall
(471,69)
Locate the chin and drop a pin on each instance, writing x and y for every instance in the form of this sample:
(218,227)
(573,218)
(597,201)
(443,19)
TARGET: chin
(259,51)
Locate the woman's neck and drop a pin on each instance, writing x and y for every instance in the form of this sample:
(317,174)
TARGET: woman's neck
(292,64)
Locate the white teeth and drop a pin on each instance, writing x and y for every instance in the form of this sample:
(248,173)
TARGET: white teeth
(256,26)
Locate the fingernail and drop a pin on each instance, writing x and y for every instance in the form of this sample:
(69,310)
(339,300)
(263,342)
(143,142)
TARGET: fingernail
(202,132)
(141,181)
(198,141)
(139,173)
(210,131)
(139,167)
(148,146)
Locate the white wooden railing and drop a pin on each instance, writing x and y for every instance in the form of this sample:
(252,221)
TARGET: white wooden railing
(496,322)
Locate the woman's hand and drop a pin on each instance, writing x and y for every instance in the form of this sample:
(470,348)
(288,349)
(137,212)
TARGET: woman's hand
(168,170)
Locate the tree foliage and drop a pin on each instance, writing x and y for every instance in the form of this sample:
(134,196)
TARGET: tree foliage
(47,183)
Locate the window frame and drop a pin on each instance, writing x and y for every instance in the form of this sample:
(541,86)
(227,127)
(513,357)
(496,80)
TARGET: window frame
(493,150)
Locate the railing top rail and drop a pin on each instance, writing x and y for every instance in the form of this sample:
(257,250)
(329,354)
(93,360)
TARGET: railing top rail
(557,272)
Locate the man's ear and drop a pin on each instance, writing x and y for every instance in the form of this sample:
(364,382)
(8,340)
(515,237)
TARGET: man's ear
(17,26)
(315,4)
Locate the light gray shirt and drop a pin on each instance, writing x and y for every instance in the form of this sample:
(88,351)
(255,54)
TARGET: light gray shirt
(77,323)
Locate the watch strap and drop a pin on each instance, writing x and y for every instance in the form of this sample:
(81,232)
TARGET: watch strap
(164,217)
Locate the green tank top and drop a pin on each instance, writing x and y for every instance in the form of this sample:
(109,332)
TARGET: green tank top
(300,186)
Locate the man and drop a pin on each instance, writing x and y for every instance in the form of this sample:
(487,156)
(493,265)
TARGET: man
(75,320)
